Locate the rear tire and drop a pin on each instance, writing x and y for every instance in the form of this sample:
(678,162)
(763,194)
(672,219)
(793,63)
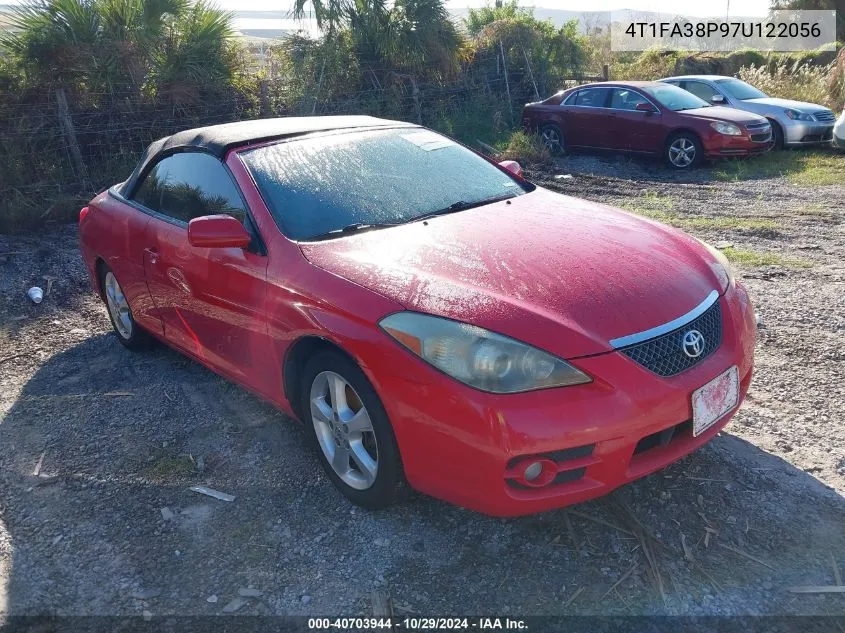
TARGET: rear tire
(683,151)
(553,139)
(351,432)
(130,335)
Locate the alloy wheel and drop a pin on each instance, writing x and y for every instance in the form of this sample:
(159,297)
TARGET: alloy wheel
(118,307)
(344,430)
(551,139)
(682,152)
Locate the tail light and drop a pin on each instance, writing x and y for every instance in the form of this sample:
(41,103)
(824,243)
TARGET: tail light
(83,213)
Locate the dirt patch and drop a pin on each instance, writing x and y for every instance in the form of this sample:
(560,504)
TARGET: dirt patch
(109,526)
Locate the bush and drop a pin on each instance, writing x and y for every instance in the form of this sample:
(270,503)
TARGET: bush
(526,149)
(792,81)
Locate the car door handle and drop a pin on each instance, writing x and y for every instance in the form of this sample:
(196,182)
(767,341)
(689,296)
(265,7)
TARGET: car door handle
(152,255)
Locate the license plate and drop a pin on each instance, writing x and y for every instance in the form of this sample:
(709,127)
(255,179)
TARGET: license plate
(712,401)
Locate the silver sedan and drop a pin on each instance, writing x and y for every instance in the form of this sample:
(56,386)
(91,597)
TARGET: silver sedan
(794,123)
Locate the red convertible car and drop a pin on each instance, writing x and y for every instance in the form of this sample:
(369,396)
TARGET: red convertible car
(433,319)
(646,117)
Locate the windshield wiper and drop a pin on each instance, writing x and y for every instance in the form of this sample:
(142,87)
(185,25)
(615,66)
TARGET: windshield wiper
(462,205)
(356,227)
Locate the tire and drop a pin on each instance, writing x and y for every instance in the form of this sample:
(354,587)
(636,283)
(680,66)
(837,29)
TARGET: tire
(683,151)
(777,135)
(129,333)
(371,475)
(553,139)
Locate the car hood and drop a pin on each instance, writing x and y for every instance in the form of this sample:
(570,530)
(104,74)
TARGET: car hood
(559,273)
(803,106)
(721,113)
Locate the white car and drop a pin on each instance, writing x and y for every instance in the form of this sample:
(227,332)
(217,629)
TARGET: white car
(839,131)
(794,123)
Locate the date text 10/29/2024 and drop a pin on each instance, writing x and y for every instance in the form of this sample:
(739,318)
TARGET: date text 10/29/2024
(418,624)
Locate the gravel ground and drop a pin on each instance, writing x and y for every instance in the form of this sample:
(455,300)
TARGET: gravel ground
(98,448)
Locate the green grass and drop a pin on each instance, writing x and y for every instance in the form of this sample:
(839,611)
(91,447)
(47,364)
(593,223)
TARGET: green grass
(170,467)
(746,257)
(660,207)
(805,168)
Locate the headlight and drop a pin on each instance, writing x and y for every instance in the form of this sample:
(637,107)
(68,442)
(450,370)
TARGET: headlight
(722,268)
(726,128)
(797,115)
(481,359)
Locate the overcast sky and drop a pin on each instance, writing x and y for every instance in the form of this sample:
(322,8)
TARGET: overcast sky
(698,8)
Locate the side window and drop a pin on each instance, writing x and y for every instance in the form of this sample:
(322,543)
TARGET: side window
(700,90)
(624,99)
(197,184)
(592,97)
(149,193)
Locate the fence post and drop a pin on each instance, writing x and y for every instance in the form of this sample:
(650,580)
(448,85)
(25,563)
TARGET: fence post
(507,83)
(264,96)
(415,93)
(530,73)
(70,136)
(605,72)
(319,85)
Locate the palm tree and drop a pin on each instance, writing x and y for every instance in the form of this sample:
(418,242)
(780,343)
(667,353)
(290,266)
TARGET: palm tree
(108,47)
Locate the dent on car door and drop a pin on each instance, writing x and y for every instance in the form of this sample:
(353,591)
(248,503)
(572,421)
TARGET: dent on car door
(211,300)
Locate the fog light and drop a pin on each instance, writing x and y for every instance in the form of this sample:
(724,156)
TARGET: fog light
(533,471)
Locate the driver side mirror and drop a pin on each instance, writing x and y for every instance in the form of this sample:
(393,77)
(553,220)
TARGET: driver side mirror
(217,231)
(644,106)
(717,99)
(513,167)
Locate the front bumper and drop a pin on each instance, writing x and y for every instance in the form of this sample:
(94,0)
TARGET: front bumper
(839,133)
(723,146)
(807,133)
(458,443)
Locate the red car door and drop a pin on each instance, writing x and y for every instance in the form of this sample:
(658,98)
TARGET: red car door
(632,129)
(211,300)
(587,117)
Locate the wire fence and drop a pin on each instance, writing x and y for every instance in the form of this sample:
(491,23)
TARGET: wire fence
(57,153)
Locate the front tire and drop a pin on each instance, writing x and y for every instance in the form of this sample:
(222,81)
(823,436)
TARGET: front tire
(120,314)
(351,432)
(683,151)
(777,135)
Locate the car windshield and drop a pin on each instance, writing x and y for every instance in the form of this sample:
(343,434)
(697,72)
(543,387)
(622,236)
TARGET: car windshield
(327,184)
(675,98)
(740,90)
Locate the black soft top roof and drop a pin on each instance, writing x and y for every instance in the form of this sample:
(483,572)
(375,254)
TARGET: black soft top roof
(219,139)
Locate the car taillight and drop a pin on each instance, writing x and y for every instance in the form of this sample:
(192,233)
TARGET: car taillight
(83,213)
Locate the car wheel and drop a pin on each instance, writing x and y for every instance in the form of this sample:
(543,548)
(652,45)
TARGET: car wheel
(351,431)
(553,139)
(120,314)
(683,151)
(777,135)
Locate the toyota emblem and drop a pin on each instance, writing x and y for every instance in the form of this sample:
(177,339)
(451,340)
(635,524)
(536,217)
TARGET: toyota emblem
(693,343)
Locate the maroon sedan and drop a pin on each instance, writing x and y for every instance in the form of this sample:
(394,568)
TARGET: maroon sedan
(646,117)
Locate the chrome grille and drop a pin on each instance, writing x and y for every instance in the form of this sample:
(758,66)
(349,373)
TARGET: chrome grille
(824,115)
(757,125)
(664,354)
